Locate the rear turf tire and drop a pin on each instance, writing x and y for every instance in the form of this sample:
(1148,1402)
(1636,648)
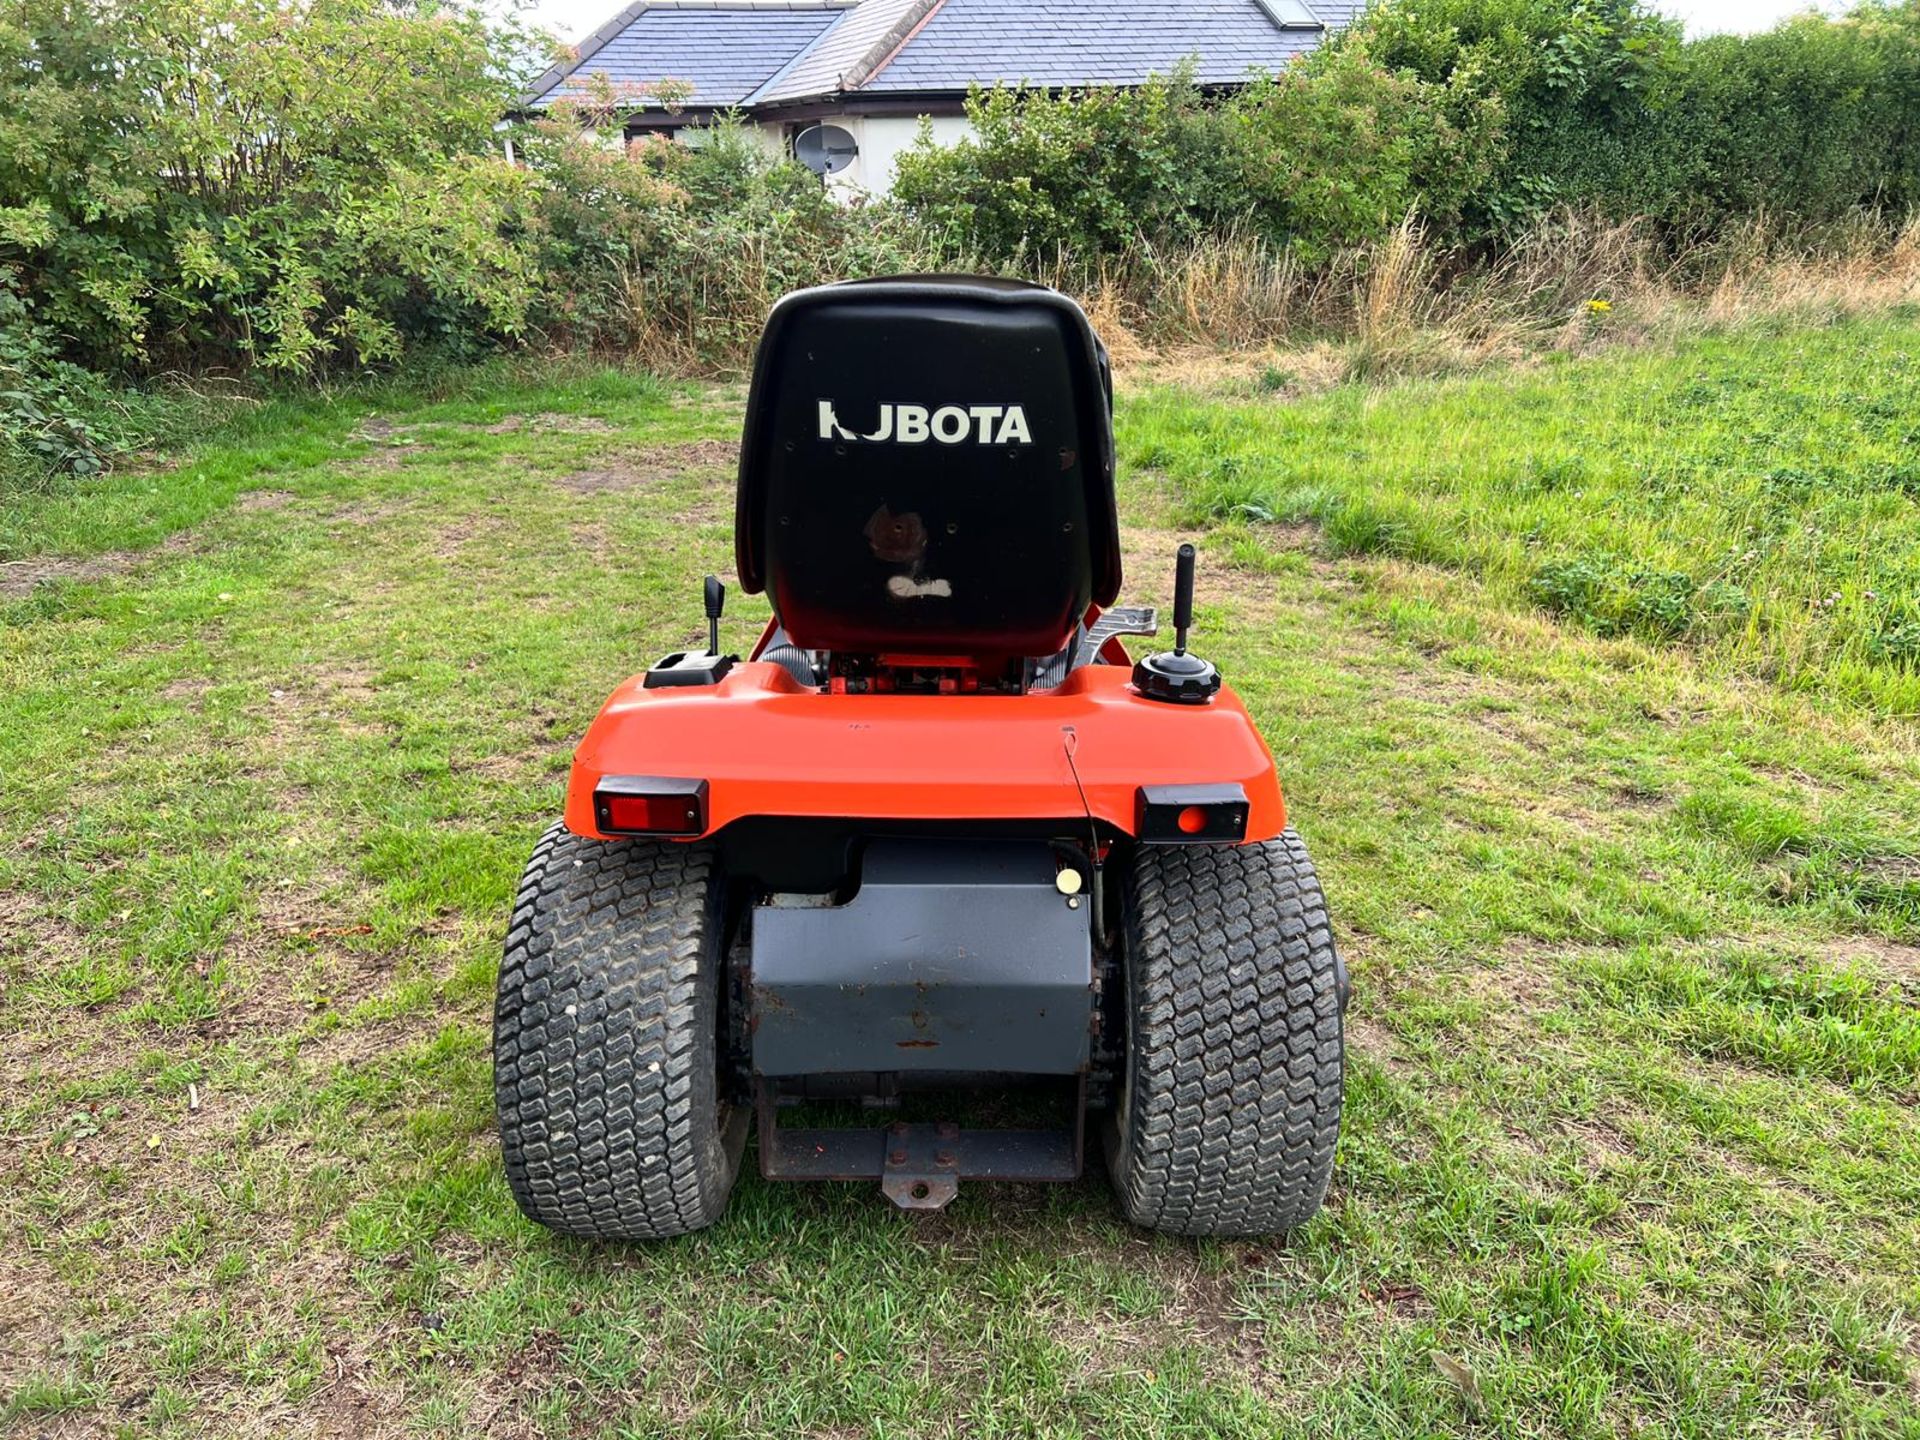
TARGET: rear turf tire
(1230,1105)
(606,1027)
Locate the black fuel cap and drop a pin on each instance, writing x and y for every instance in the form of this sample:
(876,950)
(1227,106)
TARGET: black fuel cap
(1182,679)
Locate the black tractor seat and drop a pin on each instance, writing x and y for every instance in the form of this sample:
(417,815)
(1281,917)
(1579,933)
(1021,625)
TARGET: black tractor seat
(928,467)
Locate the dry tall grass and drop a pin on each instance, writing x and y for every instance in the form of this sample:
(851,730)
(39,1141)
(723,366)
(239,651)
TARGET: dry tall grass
(1407,306)
(1231,305)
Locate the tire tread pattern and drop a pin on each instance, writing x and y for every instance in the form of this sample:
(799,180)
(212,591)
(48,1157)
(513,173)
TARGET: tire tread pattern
(605,1070)
(1236,1070)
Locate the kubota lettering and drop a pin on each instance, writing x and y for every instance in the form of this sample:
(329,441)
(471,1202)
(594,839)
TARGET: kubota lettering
(945,425)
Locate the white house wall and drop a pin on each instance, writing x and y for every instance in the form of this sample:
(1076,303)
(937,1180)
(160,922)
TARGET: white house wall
(880,138)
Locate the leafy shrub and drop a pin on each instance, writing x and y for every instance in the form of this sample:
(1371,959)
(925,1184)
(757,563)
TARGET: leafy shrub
(238,182)
(1811,120)
(662,246)
(1076,174)
(47,406)
(1336,151)
(1606,108)
(1331,153)
(1571,77)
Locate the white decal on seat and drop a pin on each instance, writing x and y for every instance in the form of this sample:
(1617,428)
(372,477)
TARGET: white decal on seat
(946,425)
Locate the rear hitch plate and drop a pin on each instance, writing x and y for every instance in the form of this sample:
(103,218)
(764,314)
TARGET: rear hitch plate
(922,1166)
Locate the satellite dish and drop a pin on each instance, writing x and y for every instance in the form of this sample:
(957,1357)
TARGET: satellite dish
(825,149)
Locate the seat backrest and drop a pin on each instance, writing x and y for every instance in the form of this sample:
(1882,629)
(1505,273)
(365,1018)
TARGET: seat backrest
(928,467)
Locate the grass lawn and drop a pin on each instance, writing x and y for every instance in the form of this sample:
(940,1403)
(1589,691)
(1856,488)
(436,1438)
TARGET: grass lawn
(1633,911)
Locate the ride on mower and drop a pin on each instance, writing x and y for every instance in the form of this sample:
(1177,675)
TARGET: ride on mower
(938,833)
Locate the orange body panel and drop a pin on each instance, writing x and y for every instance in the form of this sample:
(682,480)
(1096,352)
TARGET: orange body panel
(768,746)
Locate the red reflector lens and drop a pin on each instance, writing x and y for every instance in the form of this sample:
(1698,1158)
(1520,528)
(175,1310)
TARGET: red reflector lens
(658,814)
(628,806)
(1192,820)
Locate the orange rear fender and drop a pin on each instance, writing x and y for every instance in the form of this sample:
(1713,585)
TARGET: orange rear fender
(767,746)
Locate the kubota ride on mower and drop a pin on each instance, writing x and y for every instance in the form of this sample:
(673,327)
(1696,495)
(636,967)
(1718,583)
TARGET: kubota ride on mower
(938,834)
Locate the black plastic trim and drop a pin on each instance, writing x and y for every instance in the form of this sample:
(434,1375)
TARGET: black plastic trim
(688,669)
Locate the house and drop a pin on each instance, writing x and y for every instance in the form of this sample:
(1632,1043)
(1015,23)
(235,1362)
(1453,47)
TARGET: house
(870,71)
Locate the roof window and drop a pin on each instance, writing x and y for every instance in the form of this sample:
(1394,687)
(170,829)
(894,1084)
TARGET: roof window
(1292,14)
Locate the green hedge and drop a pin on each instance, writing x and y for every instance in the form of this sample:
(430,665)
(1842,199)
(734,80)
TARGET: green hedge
(1478,115)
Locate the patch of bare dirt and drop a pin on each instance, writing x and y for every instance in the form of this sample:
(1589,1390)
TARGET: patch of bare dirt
(449,540)
(518,765)
(1890,869)
(188,688)
(33,1300)
(651,466)
(142,1198)
(1147,556)
(1374,1041)
(367,512)
(1527,977)
(254,501)
(322,696)
(1605,1146)
(394,443)
(550,423)
(380,462)
(20,578)
(609,478)
(1901,962)
(41,1046)
(280,981)
(1450,686)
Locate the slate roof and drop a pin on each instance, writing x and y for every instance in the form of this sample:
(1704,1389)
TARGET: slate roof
(750,53)
(725,50)
(1086,42)
(848,53)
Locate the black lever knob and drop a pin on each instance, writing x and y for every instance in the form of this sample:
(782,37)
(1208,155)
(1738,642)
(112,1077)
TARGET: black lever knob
(716,606)
(1182,598)
(1181,677)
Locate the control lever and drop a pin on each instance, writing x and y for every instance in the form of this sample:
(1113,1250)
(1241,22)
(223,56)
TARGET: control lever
(1181,678)
(1182,598)
(716,606)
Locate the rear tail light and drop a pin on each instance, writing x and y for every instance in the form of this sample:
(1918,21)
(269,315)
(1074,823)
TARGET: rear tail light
(650,805)
(1192,814)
